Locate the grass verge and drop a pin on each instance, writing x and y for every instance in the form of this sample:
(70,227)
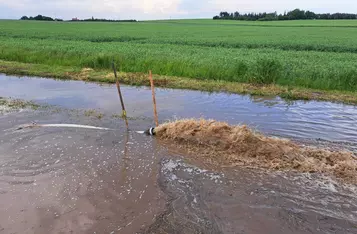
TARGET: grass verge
(141,79)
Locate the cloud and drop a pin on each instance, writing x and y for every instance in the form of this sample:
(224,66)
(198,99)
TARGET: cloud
(141,9)
(281,5)
(160,9)
(159,6)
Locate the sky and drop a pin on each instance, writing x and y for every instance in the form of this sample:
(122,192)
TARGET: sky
(162,9)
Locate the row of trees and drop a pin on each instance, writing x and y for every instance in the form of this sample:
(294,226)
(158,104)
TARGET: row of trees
(296,14)
(46,18)
(103,20)
(40,17)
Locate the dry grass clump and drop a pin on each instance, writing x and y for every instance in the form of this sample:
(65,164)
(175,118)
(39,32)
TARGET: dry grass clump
(228,145)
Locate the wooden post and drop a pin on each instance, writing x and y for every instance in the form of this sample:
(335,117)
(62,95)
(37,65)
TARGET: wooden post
(153,98)
(120,96)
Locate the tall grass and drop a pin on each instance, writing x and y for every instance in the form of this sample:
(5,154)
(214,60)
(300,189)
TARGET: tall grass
(313,57)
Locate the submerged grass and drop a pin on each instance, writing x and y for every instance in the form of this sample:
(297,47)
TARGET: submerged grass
(93,113)
(226,145)
(141,79)
(8,105)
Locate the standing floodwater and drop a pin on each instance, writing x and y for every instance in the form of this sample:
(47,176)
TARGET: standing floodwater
(298,119)
(81,180)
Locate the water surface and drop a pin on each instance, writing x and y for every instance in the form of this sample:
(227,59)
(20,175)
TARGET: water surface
(74,180)
(299,119)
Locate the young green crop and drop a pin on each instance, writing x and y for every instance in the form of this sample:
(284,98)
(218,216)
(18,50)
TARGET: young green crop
(313,54)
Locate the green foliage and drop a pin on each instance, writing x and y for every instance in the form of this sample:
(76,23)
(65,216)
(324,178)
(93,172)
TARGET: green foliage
(38,17)
(267,71)
(295,14)
(311,54)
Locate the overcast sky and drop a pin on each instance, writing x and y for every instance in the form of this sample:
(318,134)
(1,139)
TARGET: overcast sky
(161,9)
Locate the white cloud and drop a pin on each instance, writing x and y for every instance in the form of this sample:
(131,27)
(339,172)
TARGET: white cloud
(281,5)
(141,9)
(159,9)
(159,6)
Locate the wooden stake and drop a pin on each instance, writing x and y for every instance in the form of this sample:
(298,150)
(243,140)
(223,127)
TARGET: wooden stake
(120,96)
(153,98)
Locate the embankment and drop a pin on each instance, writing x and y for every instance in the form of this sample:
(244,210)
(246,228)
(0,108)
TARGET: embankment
(141,79)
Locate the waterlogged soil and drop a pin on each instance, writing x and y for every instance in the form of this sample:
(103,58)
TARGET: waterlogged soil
(76,180)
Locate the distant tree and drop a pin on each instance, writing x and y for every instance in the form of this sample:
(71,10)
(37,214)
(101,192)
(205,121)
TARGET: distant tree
(295,14)
(325,16)
(101,20)
(236,15)
(224,15)
(39,17)
(310,15)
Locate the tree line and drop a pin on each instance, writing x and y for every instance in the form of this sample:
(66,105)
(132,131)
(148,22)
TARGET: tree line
(103,20)
(40,17)
(46,18)
(296,14)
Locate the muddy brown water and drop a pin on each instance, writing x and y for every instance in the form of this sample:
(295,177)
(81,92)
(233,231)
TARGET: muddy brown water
(55,180)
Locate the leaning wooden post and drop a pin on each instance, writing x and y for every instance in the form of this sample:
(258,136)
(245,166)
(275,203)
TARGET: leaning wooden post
(153,98)
(120,96)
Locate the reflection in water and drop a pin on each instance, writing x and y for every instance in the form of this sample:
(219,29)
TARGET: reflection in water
(271,115)
(63,180)
(124,164)
(76,180)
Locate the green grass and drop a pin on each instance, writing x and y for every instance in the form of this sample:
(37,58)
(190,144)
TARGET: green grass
(141,79)
(310,54)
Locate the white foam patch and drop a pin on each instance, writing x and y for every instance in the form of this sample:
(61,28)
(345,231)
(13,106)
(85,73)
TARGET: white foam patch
(71,126)
(170,166)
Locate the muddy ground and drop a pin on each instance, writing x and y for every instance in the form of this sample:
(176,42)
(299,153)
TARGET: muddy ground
(55,180)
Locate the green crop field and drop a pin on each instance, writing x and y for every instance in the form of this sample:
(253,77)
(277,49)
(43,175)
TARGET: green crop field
(311,53)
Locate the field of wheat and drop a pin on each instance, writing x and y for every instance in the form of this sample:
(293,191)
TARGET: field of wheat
(311,54)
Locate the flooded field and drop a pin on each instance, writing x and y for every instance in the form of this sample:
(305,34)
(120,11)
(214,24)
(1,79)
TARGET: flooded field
(274,116)
(74,180)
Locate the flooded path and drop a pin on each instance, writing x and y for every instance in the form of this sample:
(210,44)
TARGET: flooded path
(68,180)
(273,116)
